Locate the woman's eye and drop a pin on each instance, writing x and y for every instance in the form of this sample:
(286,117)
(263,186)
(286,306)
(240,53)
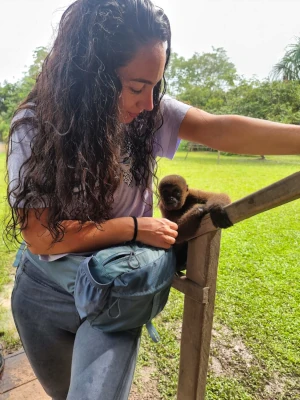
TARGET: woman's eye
(135,91)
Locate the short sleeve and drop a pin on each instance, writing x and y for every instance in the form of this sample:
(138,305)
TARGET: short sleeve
(19,151)
(167,141)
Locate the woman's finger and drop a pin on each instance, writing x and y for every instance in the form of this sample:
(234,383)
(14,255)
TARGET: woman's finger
(169,239)
(171,224)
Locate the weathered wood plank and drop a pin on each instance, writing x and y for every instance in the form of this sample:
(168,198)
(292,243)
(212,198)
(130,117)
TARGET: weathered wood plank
(16,373)
(190,288)
(277,194)
(29,391)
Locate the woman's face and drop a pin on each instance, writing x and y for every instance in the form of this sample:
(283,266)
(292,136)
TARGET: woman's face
(138,79)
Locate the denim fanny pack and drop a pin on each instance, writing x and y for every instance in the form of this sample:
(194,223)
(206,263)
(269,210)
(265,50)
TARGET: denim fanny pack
(118,288)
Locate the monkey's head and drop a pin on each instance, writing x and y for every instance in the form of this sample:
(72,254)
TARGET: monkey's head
(173,190)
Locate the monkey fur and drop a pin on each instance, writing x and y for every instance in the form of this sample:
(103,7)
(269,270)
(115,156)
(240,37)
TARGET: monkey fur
(187,206)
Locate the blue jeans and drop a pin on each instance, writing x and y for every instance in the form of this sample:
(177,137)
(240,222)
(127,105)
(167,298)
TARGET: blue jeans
(71,359)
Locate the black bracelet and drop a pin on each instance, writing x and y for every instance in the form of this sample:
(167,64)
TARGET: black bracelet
(135,229)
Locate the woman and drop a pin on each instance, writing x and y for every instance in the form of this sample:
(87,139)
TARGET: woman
(81,164)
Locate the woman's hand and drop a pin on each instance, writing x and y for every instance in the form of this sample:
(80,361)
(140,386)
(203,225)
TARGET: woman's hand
(157,232)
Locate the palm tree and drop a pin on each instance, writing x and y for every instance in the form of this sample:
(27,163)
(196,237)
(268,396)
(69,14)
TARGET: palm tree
(288,67)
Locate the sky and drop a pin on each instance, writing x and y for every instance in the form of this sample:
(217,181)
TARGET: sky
(254,33)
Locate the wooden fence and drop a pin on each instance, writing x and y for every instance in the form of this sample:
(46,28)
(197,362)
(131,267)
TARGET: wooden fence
(199,283)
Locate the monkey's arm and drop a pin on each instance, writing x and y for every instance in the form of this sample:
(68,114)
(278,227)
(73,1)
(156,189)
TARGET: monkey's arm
(207,202)
(189,223)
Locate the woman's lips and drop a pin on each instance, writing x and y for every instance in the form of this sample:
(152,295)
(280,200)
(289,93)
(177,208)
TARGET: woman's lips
(132,115)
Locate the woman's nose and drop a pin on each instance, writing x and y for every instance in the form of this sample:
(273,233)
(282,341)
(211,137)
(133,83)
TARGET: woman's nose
(148,101)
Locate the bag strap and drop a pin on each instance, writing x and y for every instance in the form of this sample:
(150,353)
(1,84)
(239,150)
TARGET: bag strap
(19,254)
(152,332)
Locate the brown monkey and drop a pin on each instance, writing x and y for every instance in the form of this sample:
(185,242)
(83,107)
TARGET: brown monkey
(187,206)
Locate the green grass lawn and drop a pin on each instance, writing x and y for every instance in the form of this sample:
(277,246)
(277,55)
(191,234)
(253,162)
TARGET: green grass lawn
(258,291)
(257,319)
(5,253)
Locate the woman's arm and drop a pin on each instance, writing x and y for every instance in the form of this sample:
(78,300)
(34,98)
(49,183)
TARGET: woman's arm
(158,232)
(242,135)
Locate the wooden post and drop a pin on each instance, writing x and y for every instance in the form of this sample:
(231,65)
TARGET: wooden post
(202,268)
(199,284)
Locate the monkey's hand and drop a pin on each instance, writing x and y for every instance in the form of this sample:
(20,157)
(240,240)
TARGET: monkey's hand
(219,216)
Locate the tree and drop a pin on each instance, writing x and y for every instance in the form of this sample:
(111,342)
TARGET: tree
(271,100)
(11,94)
(4,128)
(212,70)
(33,71)
(9,98)
(289,66)
(175,74)
(211,100)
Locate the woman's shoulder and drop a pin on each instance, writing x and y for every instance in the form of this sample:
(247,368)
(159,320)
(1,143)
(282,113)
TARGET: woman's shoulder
(22,125)
(172,107)
(23,133)
(27,111)
(173,112)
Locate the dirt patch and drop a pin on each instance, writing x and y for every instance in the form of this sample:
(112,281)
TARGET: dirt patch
(145,384)
(275,387)
(9,341)
(228,353)
(232,359)
(5,295)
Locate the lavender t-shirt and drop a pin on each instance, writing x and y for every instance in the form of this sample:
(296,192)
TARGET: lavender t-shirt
(127,197)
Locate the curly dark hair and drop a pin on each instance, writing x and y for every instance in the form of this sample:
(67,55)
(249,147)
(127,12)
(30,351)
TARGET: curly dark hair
(77,94)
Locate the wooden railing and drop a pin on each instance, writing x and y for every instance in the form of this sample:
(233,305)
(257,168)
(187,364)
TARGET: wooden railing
(199,283)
